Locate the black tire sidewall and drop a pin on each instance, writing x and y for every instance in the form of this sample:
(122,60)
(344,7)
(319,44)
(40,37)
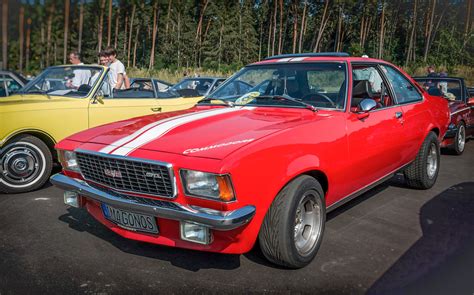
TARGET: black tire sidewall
(296,194)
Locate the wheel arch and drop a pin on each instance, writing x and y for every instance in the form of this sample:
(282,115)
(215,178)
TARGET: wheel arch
(315,173)
(321,177)
(435,130)
(43,136)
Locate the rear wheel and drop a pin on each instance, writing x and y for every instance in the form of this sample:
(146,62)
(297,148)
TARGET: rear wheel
(25,164)
(460,139)
(293,227)
(423,172)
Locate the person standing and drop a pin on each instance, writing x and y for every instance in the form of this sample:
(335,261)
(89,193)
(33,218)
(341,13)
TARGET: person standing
(81,76)
(117,70)
(104,61)
(431,71)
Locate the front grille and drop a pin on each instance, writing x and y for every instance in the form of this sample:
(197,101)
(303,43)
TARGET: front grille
(127,174)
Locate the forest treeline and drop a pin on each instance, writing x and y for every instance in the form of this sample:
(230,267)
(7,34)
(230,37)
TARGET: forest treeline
(224,35)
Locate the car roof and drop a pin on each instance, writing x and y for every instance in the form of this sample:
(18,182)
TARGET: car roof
(315,57)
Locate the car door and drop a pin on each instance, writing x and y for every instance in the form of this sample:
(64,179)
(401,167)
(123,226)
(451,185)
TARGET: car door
(470,110)
(115,106)
(416,114)
(375,138)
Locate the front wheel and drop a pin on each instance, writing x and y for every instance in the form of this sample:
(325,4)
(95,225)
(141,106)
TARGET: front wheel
(423,172)
(25,165)
(293,227)
(460,139)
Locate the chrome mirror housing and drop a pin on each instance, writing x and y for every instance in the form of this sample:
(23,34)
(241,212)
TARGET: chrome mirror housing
(367,104)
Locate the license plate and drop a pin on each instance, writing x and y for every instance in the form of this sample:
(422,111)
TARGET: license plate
(129,220)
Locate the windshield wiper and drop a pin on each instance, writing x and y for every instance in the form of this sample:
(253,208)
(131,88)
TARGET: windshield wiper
(225,102)
(289,98)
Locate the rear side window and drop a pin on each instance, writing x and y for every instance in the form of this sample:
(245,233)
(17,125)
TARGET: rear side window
(405,92)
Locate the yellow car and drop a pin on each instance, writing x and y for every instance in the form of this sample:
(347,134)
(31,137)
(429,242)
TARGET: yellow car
(59,102)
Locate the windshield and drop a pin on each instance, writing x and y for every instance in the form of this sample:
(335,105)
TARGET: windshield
(322,85)
(448,88)
(200,85)
(77,81)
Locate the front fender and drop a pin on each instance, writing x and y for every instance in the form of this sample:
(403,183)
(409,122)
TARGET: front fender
(33,131)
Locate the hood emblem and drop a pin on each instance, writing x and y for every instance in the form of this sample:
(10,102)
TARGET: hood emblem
(113,173)
(216,146)
(153,175)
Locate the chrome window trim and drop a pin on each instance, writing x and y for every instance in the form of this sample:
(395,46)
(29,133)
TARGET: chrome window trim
(169,166)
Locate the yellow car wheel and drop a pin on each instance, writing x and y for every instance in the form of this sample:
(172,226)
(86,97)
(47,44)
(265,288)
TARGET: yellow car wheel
(25,164)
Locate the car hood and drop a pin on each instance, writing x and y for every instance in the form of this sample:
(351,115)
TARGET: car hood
(199,132)
(31,102)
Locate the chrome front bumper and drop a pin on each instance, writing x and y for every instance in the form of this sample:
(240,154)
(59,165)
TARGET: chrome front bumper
(218,220)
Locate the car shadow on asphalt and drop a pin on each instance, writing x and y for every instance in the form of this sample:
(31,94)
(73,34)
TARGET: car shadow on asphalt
(80,220)
(442,260)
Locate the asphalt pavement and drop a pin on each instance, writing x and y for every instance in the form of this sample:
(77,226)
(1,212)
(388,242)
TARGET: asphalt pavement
(391,240)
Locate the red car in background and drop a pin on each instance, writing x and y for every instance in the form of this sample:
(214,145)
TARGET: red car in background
(267,165)
(461,107)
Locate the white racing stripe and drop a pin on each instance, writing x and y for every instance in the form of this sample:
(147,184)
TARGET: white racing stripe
(137,133)
(164,127)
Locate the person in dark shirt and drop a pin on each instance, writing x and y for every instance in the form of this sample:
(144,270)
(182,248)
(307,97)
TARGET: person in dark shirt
(431,71)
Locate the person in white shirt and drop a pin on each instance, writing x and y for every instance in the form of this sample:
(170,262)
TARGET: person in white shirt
(81,76)
(104,61)
(117,70)
(375,80)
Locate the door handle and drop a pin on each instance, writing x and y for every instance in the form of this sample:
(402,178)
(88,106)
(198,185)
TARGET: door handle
(398,115)
(158,109)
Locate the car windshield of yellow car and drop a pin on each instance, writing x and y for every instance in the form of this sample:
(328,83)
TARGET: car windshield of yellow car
(74,81)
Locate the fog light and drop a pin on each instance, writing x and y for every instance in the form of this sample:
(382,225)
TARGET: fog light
(195,233)
(72,199)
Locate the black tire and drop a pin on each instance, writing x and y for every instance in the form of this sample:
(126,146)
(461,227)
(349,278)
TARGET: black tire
(420,174)
(278,233)
(25,164)
(460,139)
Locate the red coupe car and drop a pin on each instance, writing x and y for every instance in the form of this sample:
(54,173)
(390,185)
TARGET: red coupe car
(461,107)
(264,158)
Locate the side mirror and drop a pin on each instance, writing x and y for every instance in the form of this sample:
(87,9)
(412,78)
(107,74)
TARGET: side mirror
(99,98)
(367,104)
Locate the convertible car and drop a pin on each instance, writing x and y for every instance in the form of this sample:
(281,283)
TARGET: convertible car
(461,107)
(59,102)
(158,86)
(10,82)
(200,86)
(263,166)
